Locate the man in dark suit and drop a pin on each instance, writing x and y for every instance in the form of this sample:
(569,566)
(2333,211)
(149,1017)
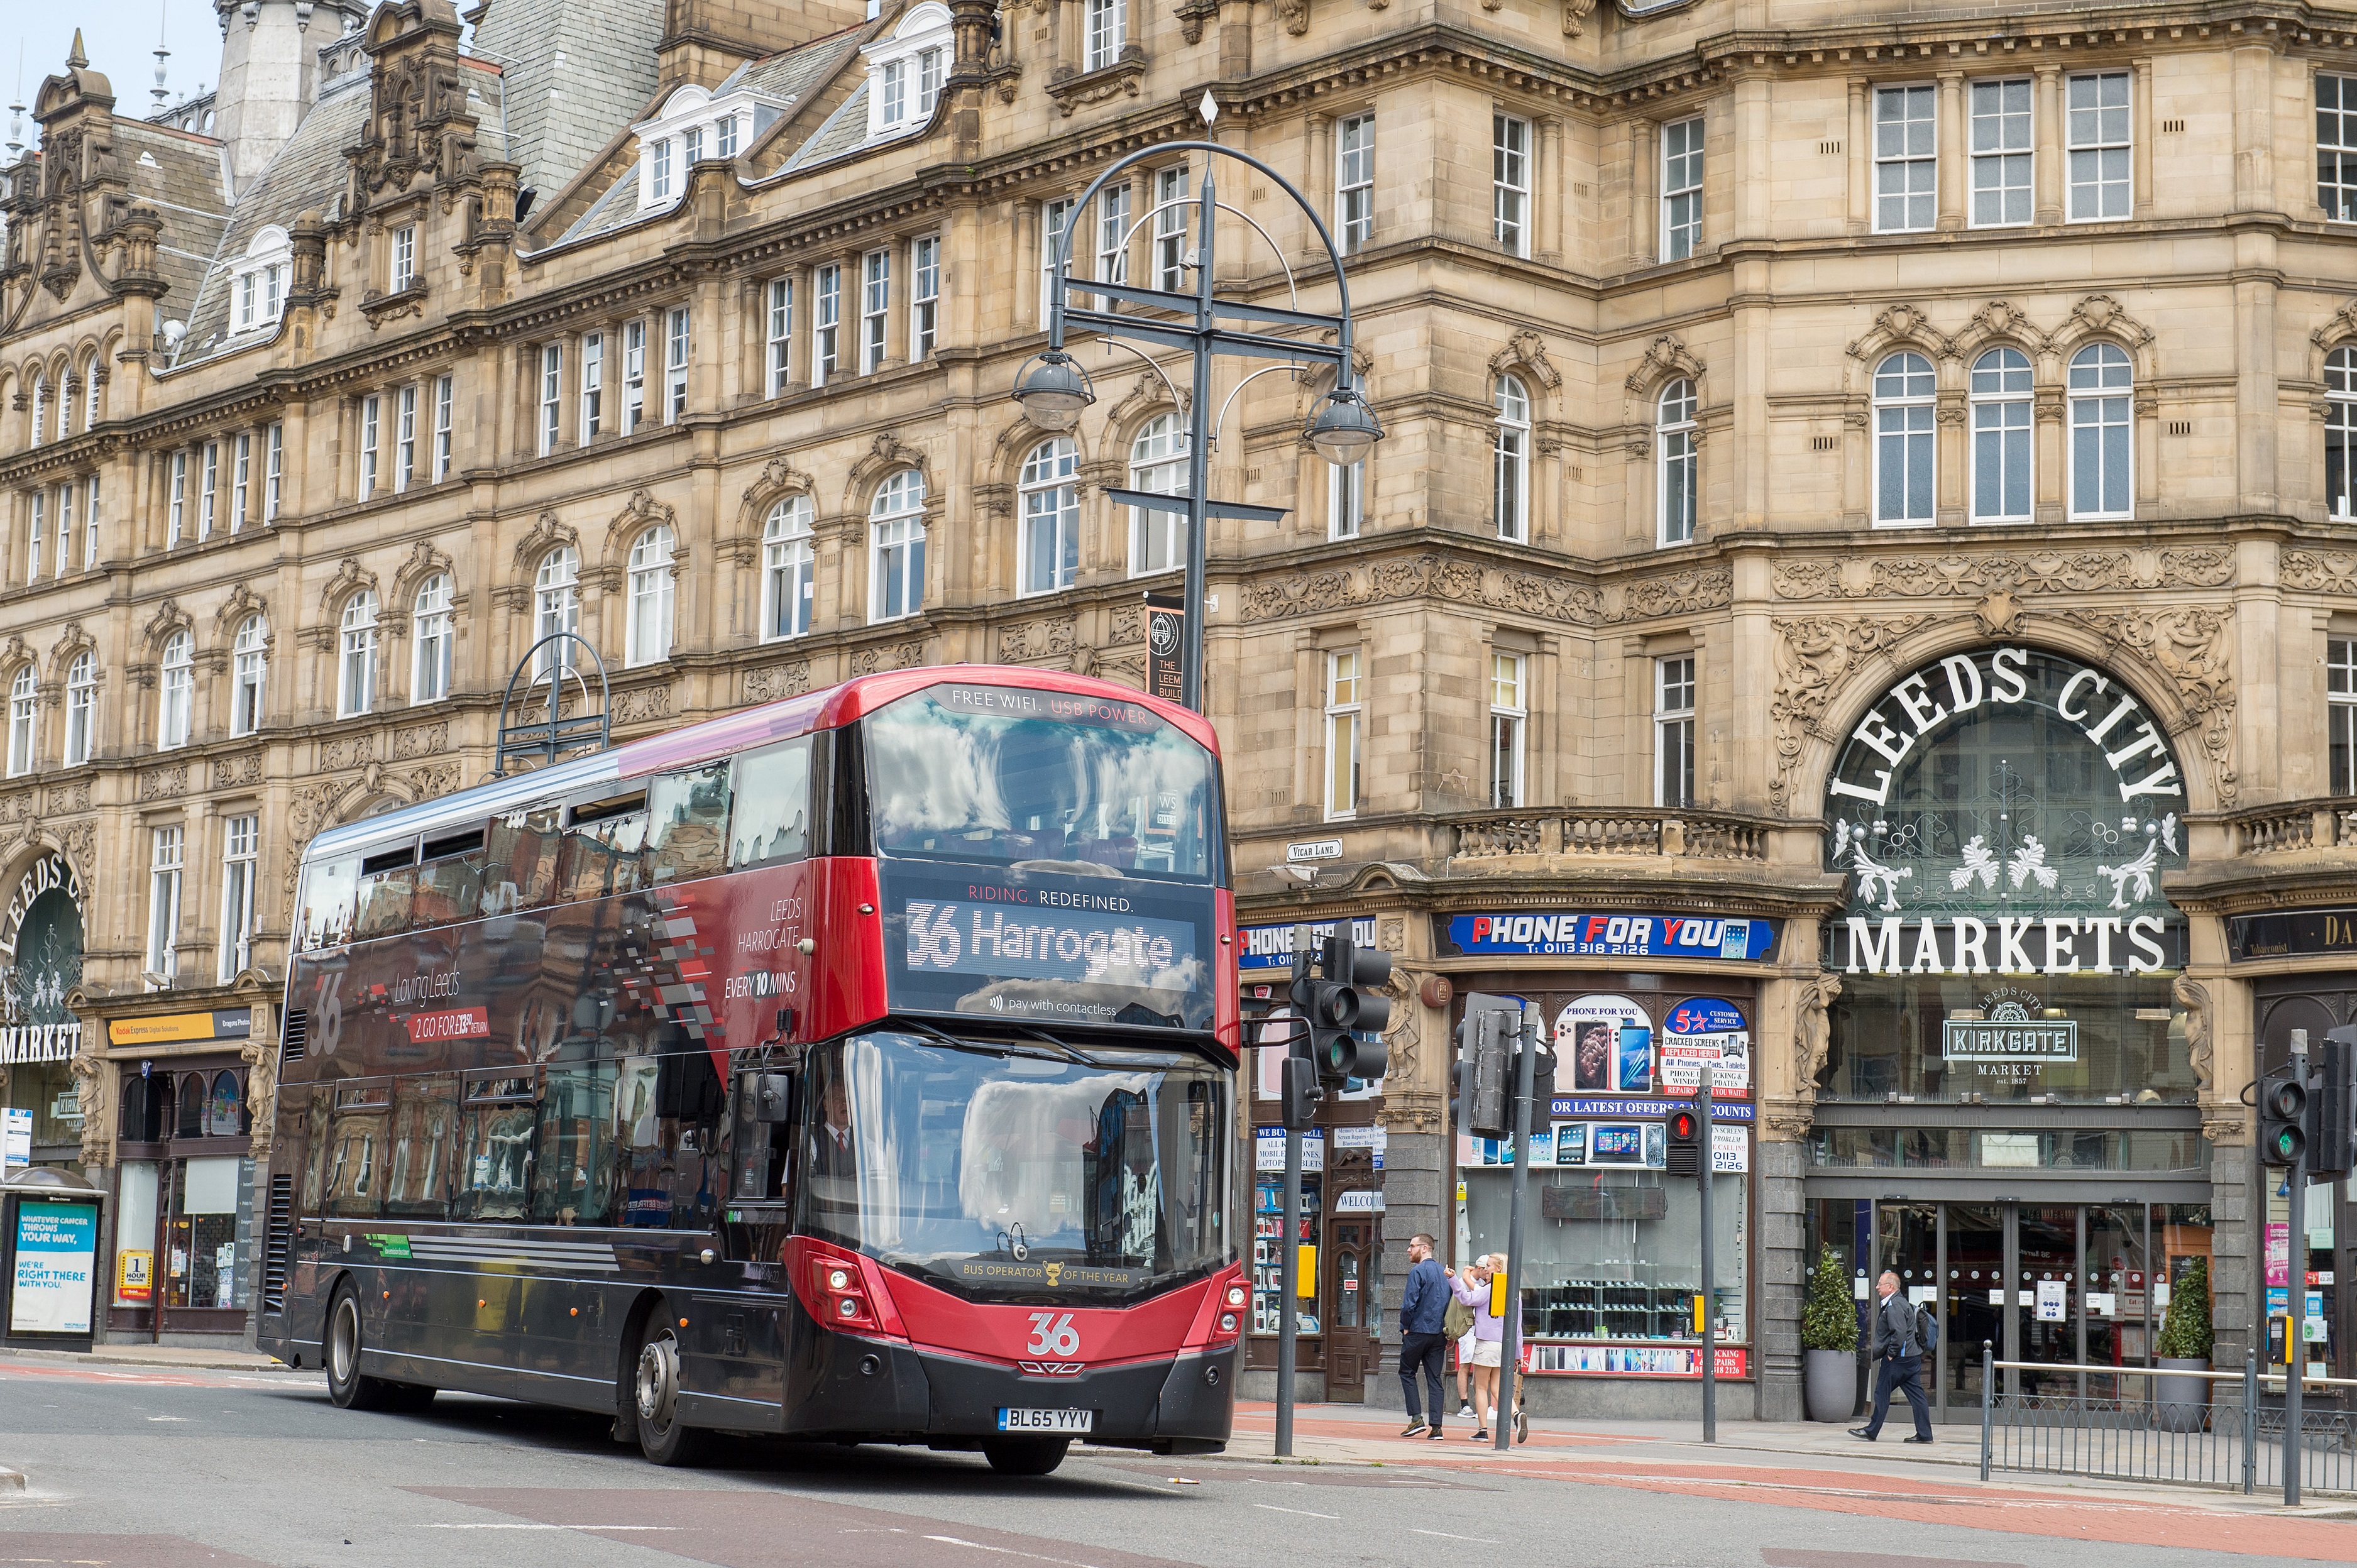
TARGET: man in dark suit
(830,1153)
(1899,1362)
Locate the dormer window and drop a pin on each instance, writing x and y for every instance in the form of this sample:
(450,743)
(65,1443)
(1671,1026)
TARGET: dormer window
(726,136)
(695,145)
(258,280)
(905,70)
(694,124)
(659,171)
(404,259)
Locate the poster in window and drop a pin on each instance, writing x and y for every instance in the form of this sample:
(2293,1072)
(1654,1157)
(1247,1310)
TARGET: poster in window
(1593,1036)
(56,1265)
(1705,1028)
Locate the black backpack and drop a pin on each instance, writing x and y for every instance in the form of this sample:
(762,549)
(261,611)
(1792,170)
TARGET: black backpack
(1927,1328)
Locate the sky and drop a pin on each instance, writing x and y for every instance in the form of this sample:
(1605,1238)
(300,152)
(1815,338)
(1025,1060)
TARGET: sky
(118,36)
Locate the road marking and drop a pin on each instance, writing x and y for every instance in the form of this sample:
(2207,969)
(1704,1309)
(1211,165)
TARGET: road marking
(984,1546)
(638,1527)
(1303,1512)
(1481,1539)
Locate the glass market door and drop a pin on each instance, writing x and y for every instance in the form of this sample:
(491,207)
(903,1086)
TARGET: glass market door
(1353,1310)
(2046,1294)
(1973,1310)
(2118,1328)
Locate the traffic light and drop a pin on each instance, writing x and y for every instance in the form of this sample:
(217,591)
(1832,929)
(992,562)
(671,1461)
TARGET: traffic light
(2332,1146)
(1542,1082)
(1482,1081)
(2284,1117)
(1689,1130)
(1297,1093)
(1344,1011)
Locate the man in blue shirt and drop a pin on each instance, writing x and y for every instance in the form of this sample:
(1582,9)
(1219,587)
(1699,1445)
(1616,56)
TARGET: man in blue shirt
(1424,1341)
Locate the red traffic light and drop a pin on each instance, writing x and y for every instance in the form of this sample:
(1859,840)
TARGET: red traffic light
(1681,1125)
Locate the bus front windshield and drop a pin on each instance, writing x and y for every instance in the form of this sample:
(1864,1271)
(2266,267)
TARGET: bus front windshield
(1018,1176)
(1042,780)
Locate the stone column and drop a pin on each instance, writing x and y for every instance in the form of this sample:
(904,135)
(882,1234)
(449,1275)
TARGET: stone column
(1954,176)
(2047,138)
(1861,159)
(1645,193)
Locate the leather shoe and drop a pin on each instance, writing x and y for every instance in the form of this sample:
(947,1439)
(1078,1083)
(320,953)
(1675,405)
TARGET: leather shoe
(1861,1431)
(1919,1440)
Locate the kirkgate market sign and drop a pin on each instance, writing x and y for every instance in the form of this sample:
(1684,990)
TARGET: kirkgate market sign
(2005,811)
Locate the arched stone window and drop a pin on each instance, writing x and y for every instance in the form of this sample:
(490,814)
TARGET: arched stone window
(1681,463)
(789,569)
(1050,543)
(555,607)
(431,632)
(648,639)
(896,547)
(356,656)
(173,710)
(2002,446)
(2102,482)
(81,708)
(1158,465)
(23,710)
(1509,484)
(248,672)
(1904,464)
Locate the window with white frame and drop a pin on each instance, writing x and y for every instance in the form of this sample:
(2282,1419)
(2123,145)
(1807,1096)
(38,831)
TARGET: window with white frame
(1050,547)
(593,386)
(1157,465)
(2340,433)
(241,482)
(65,529)
(1999,393)
(94,385)
(1354,182)
(274,472)
(164,903)
(780,359)
(676,349)
(1673,731)
(788,570)
(695,140)
(249,675)
(371,407)
(875,305)
(1108,23)
(356,656)
(81,708)
(1113,234)
(659,169)
(430,634)
(207,498)
(1904,409)
(1906,158)
(2340,705)
(904,71)
(240,854)
(1510,712)
(2097,131)
(1509,183)
(896,547)
(36,534)
(258,279)
(404,438)
(1682,149)
(1170,209)
(1346,498)
(2336,147)
(1343,716)
(2102,406)
(1509,454)
(552,395)
(23,710)
(2004,154)
(634,374)
(178,691)
(827,323)
(928,82)
(444,387)
(691,121)
(40,405)
(723,137)
(405,258)
(90,516)
(1678,437)
(892,86)
(176,500)
(556,607)
(1054,217)
(924,297)
(651,590)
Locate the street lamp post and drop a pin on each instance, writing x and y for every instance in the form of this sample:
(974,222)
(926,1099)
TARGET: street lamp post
(1054,389)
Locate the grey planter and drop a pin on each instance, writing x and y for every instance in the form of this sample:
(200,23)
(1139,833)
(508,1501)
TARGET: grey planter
(2181,1404)
(1830,1379)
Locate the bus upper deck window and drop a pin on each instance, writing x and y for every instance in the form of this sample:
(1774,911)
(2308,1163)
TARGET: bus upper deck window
(520,860)
(770,818)
(388,886)
(687,823)
(450,882)
(329,890)
(600,855)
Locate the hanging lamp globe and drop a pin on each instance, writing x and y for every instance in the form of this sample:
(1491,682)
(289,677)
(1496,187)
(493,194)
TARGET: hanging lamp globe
(1343,428)
(1053,391)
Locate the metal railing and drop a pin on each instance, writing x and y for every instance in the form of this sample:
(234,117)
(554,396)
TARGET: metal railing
(2163,1435)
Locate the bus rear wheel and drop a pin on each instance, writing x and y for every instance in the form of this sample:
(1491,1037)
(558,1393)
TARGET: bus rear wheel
(1026,1455)
(662,1436)
(346,1385)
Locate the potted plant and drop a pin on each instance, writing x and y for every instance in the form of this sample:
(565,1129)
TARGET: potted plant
(2179,1403)
(1829,1342)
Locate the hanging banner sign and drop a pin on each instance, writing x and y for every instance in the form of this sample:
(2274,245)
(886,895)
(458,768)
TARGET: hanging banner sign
(1166,639)
(1588,935)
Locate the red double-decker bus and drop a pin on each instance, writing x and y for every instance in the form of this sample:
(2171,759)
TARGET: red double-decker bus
(856,1067)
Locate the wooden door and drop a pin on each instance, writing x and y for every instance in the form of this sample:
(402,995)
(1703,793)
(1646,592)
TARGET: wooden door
(1353,1312)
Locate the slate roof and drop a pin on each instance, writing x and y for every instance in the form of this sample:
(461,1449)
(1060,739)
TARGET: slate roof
(845,129)
(794,74)
(576,73)
(178,173)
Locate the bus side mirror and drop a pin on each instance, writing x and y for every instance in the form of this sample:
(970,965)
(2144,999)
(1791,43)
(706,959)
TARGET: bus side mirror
(771,1097)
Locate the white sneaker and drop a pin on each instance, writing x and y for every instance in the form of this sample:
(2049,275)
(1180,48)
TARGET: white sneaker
(1465,1412)
(1493,1417)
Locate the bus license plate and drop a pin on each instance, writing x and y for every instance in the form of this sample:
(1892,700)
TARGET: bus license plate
(1045,1420)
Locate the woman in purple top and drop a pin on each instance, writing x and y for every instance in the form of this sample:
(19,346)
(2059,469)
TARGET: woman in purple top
(1472,1288)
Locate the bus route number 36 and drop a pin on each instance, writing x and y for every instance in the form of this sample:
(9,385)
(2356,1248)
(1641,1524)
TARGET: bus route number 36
(1053,1336)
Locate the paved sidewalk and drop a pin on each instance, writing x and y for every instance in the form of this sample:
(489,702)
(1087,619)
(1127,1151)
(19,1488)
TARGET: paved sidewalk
(1574,1450)
(177,1357)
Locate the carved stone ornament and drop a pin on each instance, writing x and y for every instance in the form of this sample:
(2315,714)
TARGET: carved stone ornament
(2320,570)
(1295,15)
(1526,351)
(2193,998)
(2099,315)
(1024,643)
(1955,574)
(1123,76)
(1814,656)
(1999,615)
(1898,323)
(2193,646)
(778,479)
(1545,597)
(1574,15)
(1811,1034)
(549,531)
(1666,357)
(772,682)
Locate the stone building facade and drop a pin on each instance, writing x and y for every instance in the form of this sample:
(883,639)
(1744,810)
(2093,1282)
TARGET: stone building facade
(1761,383)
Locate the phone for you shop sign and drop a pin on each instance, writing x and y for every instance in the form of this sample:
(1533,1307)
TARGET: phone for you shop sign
(1593,935)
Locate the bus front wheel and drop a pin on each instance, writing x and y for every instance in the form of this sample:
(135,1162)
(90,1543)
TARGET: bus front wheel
(346,1385)
(1026,1455)
(662,1436)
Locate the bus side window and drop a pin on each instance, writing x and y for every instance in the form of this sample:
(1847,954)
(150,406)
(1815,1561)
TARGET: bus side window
(328,891)
(520,860)
(600,856)
(757,1149)
(572,1181)
(357,1140)
(314,1172)
(425,1138)
(385,899)
(771,814)
(690,1109)
(687,824)
(497,1115)
(450,882)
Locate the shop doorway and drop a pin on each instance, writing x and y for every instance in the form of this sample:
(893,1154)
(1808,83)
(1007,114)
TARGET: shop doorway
(2064,1284)
(1354,1285)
